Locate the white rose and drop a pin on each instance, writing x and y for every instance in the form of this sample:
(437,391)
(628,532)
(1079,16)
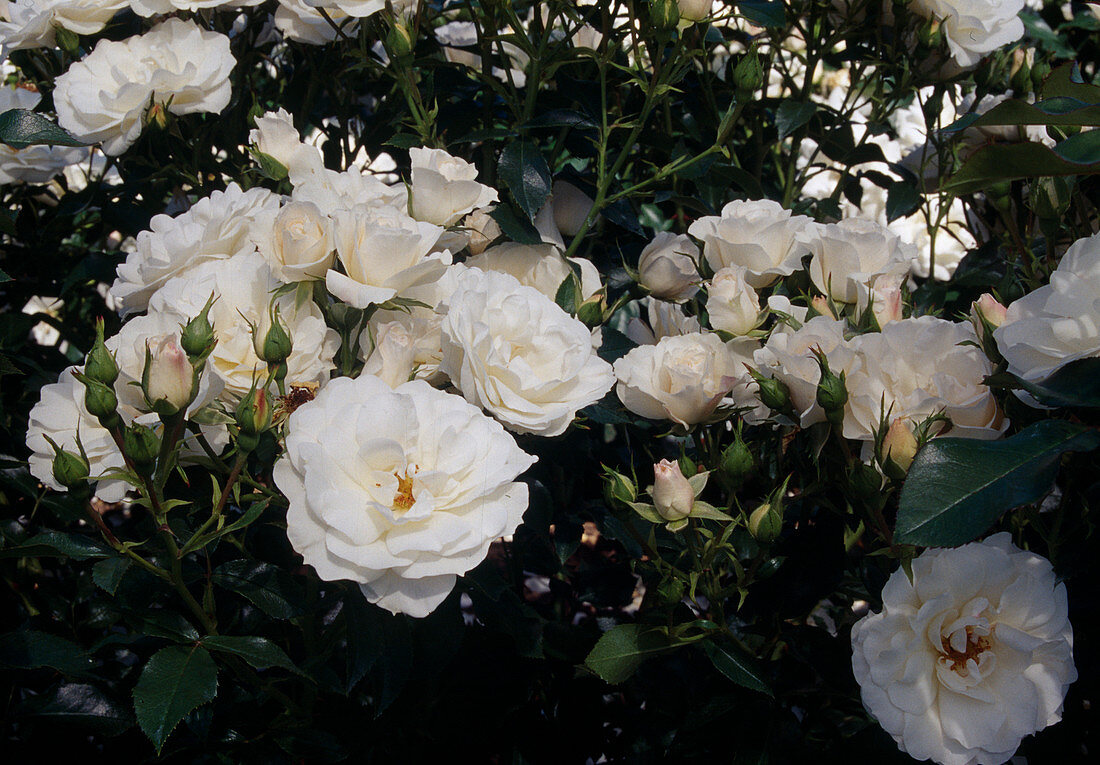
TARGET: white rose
(975,27)
(60,414)
(352,189)
(537,265)
(216,227)
(104,97)
(848,256)
(787,356)
(302,22)
(673,495)
(32,164)
(297,241)
(481,229)
(33,23)
(384,253)
(421,325)
(1057,323)
(276,136)
(513,351)
(971,656)
(444,188)
(362,8)
(149,8)
(242,287)
(392,357)
(694,10)
(665,320)
(571,207)
(732,305)
(399,490)
(915,368)
(760,235)
(667,267)
(681,378)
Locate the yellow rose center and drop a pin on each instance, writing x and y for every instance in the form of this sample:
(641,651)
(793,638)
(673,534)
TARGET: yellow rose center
(974,647)
(404,498)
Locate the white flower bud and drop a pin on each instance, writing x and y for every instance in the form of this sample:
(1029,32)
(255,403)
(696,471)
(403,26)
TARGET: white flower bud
(732,304)
(672,494)
(987,310)
(694,10)
(666,267)
(168,375)
(394,356)
(571,207)
(900,445)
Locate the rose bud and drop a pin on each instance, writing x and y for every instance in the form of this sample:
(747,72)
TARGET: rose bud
(168,380)
(899,447)
(618,488)
(666,267)
(100,400)
(197,337)
(70,470)
(832,394)
(141,444)
(571,207)
(694,10)
(987,313)
(766,523)
(100,364)
(672,494)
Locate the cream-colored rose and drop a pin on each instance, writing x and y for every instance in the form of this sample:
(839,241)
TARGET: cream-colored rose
(538,265)
(482,230)
(850,255)
(444,188)
(242,286)
(760,235)
(296,240)
(732,305)
(664,320)
(969,655)
(667,267)
(215,228)
(177,66)
(401,491)
(362,8)
(1059,322)
(694,10)
(31,164)
(276,136)
(33,23)
(303,22)
(672,494)
(918,367)
(392,357)
(571,207)
(158,7)
(513,351)
(384,253)
(681,378)
(975,28)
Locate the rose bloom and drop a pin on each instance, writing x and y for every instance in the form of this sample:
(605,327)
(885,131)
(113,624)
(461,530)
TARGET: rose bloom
(667,267)
(915,368)
(515,352)
(972,655)
(760,235)
(444,188)
(215,228)
(681,378)
(849,256)
(1059,322)
(33,23)
(276,136)
(157,7)
(732,305)
(242,287)
(975,27)
(105,96)
(362,8)
(296,240)
(664,320)
(302,22)
(384,252)
(541,266)
(399,490)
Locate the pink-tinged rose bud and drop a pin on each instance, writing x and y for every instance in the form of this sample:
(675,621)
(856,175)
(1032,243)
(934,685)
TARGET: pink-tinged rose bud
(169,378)
(886,296)
(672,494)
(989,309)
(821,305)
(900,445)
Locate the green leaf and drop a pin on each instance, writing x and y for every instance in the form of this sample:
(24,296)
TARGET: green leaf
(559,118)
(108,573)
(176,680)
(791,115)
(267,587)
(1061,110)
(403,141)
(1077,384)
(762,13)
(706,510)
(736,664)
(20,128)
(82,705)
(30,649)
(515,228)
(260,652)
(269,166)
(622,649)
(524,171)
(901,199)
(1066,81)
(255,510)
(4,276)
(568,294)
(1077,155)
(957,488)
(58,544)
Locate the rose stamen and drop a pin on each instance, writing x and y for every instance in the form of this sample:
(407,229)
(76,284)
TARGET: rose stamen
(976,645)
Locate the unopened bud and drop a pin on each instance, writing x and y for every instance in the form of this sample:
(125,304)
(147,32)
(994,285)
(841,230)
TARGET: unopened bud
(694,10)
(832,394)
(766,522)
(157,114)
(737,463)
(100,401)
(986,314)
(664,14)
(141,445)
(253,417)
(400,40)
(590,312)
(67,40)
(899,447)
(197,338)
(168,379)
(773,393)
(276,345)
(100,364)
(618,488)
(820,305)
(69,469)
(748,75)
(672,494)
